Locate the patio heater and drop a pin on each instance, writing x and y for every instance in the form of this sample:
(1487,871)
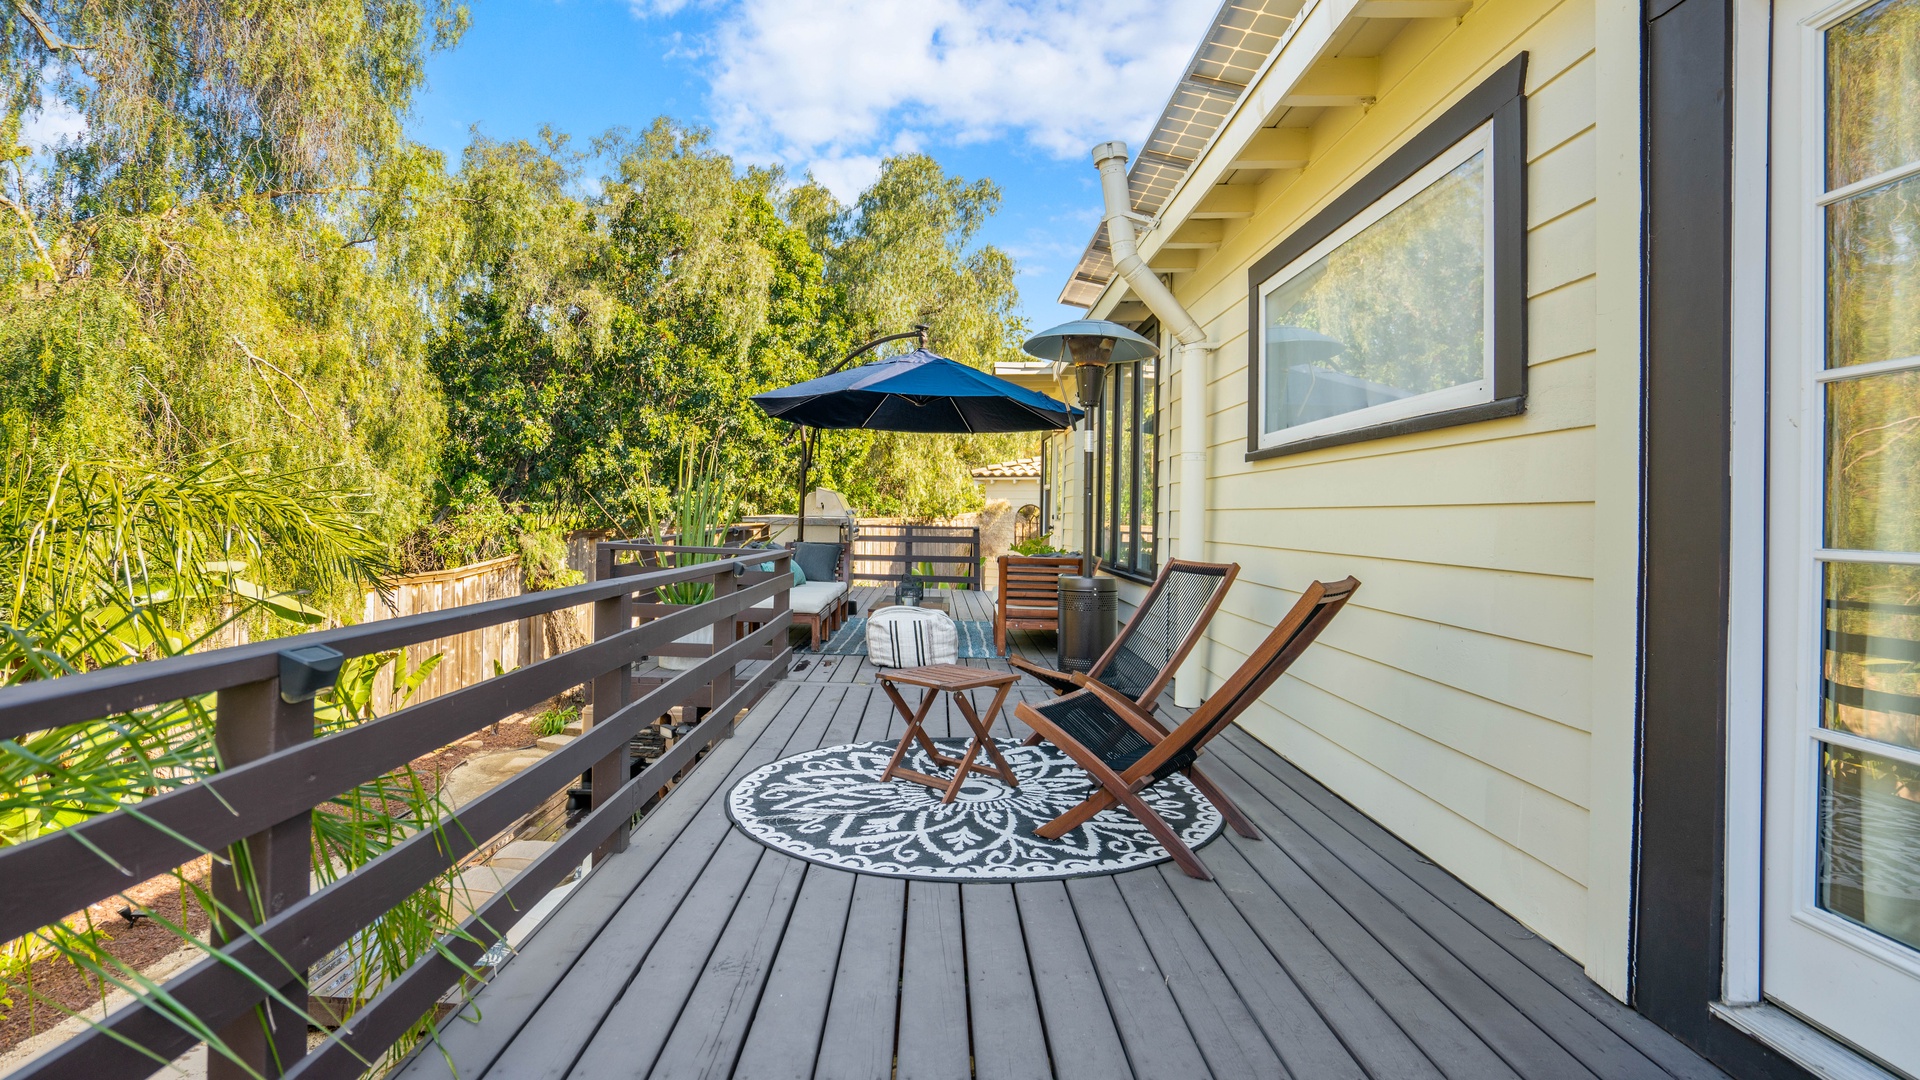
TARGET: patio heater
(1089,604)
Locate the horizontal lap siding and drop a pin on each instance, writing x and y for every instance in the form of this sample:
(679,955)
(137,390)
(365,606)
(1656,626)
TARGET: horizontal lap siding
(1452,701)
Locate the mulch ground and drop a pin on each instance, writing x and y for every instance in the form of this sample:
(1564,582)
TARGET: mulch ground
(54,981)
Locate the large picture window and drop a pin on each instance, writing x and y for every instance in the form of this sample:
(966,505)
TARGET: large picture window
(1124,473)
(1399,308)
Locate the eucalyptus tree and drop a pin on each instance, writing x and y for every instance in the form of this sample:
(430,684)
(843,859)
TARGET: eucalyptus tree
(907,252)
(222,251)
(596,333)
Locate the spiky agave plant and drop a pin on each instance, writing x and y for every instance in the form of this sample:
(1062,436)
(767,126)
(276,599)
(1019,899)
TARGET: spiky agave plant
(103,564)
(699,513)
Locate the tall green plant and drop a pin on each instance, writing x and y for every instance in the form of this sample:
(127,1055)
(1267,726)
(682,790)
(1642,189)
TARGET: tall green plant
(109,563)
(699,513)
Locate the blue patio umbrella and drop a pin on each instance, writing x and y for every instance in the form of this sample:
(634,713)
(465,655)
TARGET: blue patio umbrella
(916,391)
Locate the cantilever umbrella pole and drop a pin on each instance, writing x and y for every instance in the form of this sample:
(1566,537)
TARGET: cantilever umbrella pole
(806,443)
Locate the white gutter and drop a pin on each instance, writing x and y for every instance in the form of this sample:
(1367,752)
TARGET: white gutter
(1195,360)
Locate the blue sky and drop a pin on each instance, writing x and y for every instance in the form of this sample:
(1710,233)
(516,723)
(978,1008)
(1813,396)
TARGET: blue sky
(1015,90)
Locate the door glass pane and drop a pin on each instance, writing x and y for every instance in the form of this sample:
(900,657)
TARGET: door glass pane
(1870,842)
(1873,92)
(1873,463)
(1870,652)
(1873,275)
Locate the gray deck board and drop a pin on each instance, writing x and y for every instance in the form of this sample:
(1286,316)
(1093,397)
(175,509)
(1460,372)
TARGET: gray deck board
(1080,1030)
(785,1033)
(1328,949)
(1419,918)
(1155,1035)
(1223,1028)
(466,1047)
(1526,1047)
(1008,1038)
(1416,1009)
(933,1041)
(1298,1032)
(1498,927)
(856,1042)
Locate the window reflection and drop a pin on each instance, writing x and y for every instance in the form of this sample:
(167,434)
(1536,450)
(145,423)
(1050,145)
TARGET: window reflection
(1396,311)
(1873,463)
(1870,842)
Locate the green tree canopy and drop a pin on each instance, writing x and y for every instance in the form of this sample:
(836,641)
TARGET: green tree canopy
(213,262)
(599,333)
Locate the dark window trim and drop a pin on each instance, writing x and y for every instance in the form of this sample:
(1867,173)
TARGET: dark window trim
(1124,395)
(1501,100)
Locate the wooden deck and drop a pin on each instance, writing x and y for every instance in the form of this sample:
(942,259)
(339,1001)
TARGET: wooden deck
(1328,950)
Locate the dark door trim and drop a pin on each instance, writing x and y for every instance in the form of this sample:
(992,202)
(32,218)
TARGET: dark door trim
(1686,496)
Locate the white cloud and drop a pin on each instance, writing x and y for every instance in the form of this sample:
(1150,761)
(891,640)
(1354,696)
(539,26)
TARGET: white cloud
(831,85)
(43,128)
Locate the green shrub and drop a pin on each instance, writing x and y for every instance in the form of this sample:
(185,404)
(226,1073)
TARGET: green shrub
(1038,545)
(555,719)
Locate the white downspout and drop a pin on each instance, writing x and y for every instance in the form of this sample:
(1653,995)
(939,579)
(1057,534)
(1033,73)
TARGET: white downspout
(1195,361)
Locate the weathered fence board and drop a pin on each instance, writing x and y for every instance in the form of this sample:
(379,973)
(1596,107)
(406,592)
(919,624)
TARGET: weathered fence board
(889,553)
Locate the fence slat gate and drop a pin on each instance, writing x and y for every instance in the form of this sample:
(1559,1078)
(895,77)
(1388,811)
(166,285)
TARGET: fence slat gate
(884,554)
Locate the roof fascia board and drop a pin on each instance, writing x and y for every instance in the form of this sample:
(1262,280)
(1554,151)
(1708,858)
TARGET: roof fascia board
(1306,40)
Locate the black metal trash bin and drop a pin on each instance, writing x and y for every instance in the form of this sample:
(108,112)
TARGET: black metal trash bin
(1089,619)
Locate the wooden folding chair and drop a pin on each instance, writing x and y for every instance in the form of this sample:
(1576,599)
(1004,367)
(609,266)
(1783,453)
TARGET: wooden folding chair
(1163,630)
(1126,750)
(1141,661)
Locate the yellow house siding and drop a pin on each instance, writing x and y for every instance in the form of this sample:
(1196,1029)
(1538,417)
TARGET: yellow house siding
(1453,701)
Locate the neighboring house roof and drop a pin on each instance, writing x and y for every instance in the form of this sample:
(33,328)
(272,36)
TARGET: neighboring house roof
(1243,34)
(1017,469)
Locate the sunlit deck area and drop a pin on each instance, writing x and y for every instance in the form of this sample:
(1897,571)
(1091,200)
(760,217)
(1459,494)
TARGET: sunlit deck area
(1328,949)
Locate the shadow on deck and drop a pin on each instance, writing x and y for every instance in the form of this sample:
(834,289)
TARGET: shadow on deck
(1330,949)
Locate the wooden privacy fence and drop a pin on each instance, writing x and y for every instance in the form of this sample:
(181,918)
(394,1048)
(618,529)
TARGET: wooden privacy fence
(466,658)
(471,657)
(888,553)
(275,773)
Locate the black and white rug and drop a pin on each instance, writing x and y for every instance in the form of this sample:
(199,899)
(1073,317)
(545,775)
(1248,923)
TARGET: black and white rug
(829,807)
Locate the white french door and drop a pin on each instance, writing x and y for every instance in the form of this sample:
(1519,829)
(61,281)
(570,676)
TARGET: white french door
(1841,911)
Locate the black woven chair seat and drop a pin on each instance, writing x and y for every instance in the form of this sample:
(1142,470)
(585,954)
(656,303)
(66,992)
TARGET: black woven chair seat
(1088,721)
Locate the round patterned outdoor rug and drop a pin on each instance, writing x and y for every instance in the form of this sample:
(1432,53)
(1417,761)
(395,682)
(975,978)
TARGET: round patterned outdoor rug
(828,806)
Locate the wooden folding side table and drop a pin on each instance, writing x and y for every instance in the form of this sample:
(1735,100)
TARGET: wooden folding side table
(954,679)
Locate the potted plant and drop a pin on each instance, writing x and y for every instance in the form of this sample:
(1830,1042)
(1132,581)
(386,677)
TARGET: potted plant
(698,515)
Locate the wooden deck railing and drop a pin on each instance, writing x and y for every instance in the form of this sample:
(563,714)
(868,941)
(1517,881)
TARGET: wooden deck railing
(888,553)
(275,774)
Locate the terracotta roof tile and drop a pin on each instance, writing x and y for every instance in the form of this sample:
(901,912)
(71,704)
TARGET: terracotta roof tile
(1009,470)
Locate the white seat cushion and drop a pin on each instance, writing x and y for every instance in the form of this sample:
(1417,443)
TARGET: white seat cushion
(815,596)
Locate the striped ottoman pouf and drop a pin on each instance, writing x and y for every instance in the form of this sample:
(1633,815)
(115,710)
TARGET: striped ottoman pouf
(911,637)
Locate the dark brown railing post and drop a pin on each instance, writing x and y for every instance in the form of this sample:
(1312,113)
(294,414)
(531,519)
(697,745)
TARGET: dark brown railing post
(974,567)
(725,632)
(250,722)
(609,694)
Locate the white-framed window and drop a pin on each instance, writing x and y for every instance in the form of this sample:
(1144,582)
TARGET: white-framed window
(1389,317)
(1400,306)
